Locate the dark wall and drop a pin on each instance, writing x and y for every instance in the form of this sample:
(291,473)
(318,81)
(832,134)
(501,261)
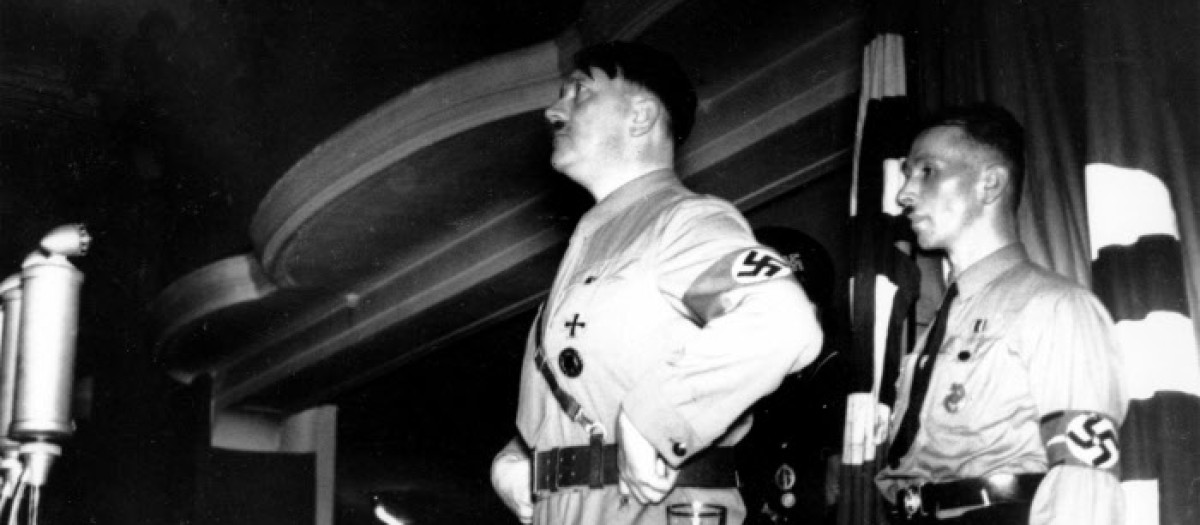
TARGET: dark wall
(425,436)
(800,425)
(819,209)
(161,124)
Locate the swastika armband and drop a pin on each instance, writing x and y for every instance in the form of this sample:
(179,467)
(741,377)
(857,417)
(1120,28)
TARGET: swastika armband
(741,268)
(1081,438)
(757,264)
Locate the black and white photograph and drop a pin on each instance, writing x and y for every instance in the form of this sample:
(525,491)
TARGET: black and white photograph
(599,262)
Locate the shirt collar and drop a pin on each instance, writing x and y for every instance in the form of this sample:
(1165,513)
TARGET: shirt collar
(628,194)
(987,269)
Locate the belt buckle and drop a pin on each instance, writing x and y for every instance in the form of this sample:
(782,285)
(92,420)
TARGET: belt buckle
(566,460)
(910,501)
(545,471)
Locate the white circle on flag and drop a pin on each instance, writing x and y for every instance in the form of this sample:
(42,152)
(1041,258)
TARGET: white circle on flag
(1092,439)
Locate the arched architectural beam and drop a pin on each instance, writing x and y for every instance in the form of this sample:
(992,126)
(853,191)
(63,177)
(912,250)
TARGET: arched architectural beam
(226,283)
(464,99)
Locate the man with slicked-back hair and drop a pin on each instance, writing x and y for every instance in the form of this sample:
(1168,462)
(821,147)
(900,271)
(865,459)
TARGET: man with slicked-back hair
(665,322)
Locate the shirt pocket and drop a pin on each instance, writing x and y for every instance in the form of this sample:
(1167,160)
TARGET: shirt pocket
(598,286)
(599,306)
(983,385)
(969,371)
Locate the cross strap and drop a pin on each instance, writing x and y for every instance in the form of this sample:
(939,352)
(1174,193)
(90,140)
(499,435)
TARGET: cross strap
(595,472)
(565,400)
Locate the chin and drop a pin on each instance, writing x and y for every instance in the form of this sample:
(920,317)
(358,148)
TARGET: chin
(558,164)
(925,242)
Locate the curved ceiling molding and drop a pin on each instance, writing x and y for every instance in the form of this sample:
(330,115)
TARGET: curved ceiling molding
(467,98)
(622,19)
(225,283)
(784,91)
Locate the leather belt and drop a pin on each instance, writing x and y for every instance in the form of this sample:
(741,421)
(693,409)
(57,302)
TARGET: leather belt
(928,499)
(574,466)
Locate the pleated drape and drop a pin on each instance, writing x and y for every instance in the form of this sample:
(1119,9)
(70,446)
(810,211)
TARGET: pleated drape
(1141,73)
(886,280)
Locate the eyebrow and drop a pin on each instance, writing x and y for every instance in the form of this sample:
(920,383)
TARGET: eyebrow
(912,160)
(922,160)
(575,78)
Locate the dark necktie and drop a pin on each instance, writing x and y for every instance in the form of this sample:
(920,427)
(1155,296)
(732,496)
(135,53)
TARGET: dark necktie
(920,383)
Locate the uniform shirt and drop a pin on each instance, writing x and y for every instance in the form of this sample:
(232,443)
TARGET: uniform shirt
(1021,342)
(646,296)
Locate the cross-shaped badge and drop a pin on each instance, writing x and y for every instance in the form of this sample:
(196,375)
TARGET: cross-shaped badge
(574,323)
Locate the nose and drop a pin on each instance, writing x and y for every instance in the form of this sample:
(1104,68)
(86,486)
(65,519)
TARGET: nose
(556,115)
(907,196)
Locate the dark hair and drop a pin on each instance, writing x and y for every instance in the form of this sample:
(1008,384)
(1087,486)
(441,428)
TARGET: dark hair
(651,69)
(993,128)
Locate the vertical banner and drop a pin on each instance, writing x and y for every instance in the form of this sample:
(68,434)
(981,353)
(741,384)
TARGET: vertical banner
(1142,128)
(1137,272)
(885,282)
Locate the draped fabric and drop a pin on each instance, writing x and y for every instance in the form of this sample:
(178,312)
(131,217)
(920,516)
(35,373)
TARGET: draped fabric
(1142,89)
(1137,271)
(1143,106)
(1109,92)
(1025,57)
(885,282)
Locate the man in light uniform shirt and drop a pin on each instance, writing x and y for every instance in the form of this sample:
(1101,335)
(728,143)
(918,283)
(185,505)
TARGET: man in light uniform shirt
(665,322)
(1023,396)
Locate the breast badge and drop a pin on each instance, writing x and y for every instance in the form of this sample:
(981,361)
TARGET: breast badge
(953,400)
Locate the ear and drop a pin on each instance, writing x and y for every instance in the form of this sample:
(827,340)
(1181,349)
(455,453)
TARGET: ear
(993,182)
(646,113)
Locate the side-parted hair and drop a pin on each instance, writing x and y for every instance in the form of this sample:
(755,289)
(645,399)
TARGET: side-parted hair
(650,69)
(993,128)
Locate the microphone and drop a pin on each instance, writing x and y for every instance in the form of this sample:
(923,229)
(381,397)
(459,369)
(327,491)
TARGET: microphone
(46,347)
(10,329)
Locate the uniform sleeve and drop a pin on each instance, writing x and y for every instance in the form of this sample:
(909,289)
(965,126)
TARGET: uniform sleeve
(756,327)
(1076,368)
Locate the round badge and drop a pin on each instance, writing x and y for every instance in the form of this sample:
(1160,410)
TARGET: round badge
(570,363)
(785,477)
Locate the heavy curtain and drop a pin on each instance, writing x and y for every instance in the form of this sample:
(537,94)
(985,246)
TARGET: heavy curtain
(1109,92)
(1141,77)
(885,282)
